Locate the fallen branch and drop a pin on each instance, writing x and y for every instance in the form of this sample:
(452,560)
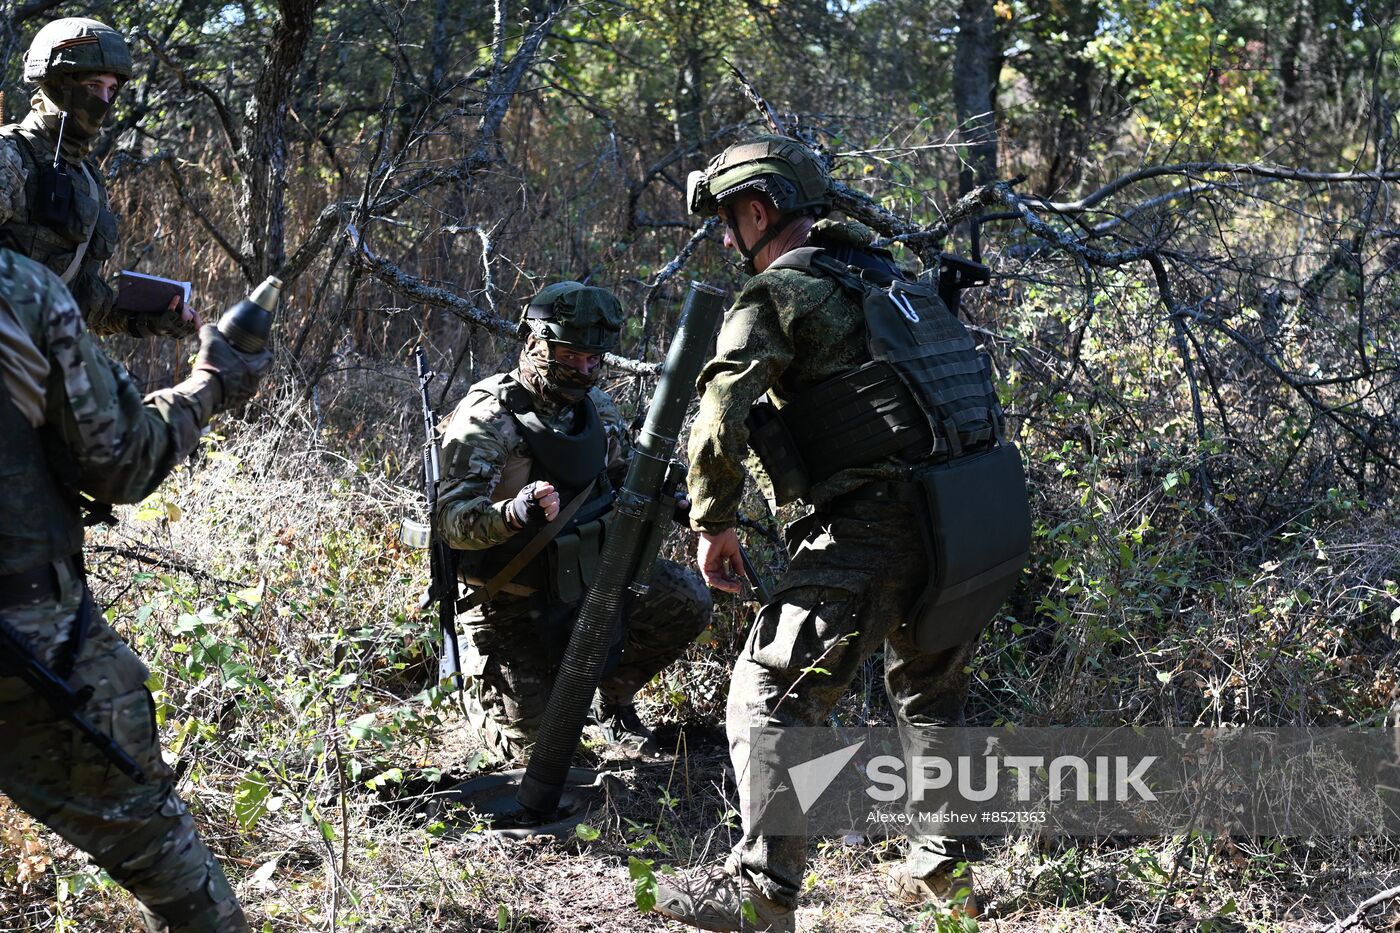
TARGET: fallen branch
(1356,916)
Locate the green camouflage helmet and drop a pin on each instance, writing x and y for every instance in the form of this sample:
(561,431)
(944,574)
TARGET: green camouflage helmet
(579,316)
(778,167)
(73,45)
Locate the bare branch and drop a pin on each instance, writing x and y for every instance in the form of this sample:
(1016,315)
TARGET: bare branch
(226,120)
(765,109)
(1358,916)
(416,289)
(1191,169)
(244,262)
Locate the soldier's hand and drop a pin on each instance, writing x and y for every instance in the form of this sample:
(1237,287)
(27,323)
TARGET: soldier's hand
(535,504)
(189,317)
(238,373)
(719,560)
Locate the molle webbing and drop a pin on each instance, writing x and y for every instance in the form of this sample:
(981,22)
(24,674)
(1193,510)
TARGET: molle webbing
(929,350)
(571,462)
(857,418)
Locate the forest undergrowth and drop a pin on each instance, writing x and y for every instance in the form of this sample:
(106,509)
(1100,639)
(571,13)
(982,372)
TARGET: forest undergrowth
(280,618)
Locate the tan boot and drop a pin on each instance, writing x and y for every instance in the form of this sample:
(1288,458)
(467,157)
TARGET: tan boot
(955,894)
(714,899)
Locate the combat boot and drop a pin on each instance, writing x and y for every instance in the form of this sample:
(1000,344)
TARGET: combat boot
(714,899)
(941,889)
(619,724)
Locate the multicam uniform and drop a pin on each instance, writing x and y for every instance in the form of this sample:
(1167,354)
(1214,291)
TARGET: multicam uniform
(519,637)
(70,420)
(858,561)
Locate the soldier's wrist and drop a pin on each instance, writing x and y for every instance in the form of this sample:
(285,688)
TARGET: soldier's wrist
(204,391)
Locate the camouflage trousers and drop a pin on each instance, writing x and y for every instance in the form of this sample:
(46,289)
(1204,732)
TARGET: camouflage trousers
(517,643)
(857,568)
(140,833)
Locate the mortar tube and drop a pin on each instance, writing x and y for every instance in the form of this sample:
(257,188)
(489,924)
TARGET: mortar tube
(581,670)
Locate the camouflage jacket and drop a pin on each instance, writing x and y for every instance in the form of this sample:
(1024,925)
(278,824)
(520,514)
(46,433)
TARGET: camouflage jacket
(56,376)
(787,332)
(485,461)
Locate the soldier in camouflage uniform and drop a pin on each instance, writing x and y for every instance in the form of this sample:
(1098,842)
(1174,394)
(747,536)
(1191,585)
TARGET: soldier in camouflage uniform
(77,67)
(858,559)
(71,422)
(520,447)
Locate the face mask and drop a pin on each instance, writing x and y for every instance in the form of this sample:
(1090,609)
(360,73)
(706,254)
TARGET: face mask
(550,379)
(86,113)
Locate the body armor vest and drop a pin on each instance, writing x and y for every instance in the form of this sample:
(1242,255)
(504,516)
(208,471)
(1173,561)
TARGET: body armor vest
(571,462)
(925,398)
(43,522)
(55,242)
(926,395)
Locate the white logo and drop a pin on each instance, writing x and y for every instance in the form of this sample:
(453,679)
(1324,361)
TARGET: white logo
(811,778)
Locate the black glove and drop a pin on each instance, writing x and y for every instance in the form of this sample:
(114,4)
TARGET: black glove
(681,513)
(526,509)
(167,323)
(238,373)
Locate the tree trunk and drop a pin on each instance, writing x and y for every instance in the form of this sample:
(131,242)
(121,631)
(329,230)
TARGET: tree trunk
(976,71)
(263,155)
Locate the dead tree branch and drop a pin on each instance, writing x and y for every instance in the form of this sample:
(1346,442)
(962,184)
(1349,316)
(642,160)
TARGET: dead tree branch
(417,290)
(1357,916)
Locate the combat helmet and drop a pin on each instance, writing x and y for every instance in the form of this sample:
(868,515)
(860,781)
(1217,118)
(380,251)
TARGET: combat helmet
(579,316)
(74,45)
(778,167)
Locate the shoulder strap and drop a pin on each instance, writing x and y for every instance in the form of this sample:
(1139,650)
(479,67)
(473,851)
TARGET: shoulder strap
(527,553)
(73,266)
(803,259)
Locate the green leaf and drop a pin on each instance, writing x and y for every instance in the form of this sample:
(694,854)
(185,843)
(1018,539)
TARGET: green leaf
(361,728)
(250,800)
(643,882)
(502,917)
(586,833)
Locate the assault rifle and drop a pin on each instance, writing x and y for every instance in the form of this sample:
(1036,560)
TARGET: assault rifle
(426,535)
(17,659)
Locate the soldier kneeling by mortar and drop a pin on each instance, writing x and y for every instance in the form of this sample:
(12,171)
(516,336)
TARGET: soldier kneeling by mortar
(531,459)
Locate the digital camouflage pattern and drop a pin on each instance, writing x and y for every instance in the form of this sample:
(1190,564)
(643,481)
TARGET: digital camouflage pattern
(787,331)
(858,564)
(117,448)
(855,573)
(517,641)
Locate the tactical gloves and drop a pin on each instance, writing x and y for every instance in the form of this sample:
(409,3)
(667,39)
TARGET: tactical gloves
(167,323)
(528,511)
(237,373)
